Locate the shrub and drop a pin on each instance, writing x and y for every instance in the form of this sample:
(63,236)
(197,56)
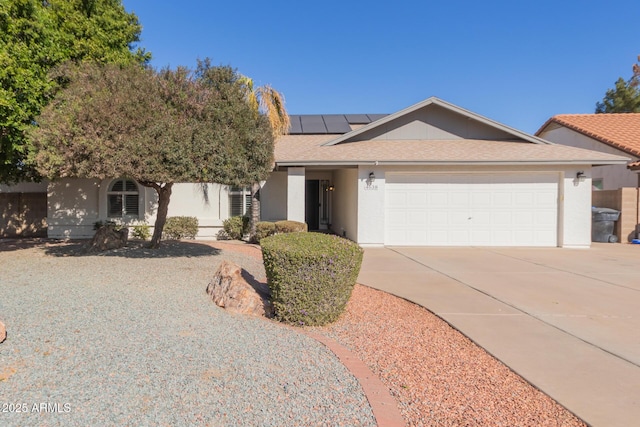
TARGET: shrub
(180,227)
(264,229)
(236,227)
(290,227)
(142,232)
(311,275)
(98,224)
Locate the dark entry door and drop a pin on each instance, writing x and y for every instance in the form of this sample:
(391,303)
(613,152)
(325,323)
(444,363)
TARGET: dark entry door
(312,204)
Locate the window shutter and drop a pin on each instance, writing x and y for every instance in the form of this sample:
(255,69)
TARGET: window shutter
(131,204)
(115,205)
(236,204)
(118,185)
(247,204)
(239,201)
(131,186)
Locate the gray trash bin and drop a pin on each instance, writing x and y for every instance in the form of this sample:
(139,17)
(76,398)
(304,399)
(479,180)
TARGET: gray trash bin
(602,224)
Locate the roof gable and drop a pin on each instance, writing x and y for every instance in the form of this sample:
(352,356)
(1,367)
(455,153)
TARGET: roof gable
(435,119)
(619,130)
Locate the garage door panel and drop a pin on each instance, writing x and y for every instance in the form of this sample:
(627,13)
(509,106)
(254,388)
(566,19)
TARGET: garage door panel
(472,209)
(458,219)
(482,198)
(438,218)
(396,198)
(417,218)
(544,218)
(458,237)
(547,198)
(437,197)
(458,198)
(416,200)
(524,198)
(502,199)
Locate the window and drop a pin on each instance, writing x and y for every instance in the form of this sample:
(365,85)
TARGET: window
(239,201)
(122,198)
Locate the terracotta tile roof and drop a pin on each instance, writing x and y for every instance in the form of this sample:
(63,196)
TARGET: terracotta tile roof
(635,166)
(308,149)
(621,130)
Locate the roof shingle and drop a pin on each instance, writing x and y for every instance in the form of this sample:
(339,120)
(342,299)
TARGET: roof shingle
(310,149)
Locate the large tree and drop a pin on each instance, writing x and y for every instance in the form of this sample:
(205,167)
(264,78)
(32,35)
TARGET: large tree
(37,35)
(624,98)
(155,127)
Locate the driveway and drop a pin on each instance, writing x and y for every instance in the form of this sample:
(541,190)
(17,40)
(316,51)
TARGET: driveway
(567,320)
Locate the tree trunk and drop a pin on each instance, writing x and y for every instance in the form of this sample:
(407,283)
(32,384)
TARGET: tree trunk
(255,210)
(164,195)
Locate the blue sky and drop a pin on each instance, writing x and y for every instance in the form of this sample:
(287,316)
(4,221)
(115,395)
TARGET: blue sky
(515,62)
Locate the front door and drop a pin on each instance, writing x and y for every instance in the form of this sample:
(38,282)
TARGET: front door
(312,204)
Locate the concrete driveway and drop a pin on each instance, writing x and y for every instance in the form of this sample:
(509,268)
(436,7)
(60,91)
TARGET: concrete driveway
(567,320)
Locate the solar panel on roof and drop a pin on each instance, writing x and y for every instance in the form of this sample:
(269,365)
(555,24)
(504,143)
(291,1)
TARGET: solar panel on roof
(309,124)
(295,128)
(357,119)
(311,118)
(375,117)
(312,124)
(333,118)
(336,123)
(338,127)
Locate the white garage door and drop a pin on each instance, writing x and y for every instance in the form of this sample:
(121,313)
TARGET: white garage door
(471,209)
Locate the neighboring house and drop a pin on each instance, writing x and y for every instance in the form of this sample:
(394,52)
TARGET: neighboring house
(431,174)
(617,134)
(23,210)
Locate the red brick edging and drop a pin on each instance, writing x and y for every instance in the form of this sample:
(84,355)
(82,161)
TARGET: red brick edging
(383,405)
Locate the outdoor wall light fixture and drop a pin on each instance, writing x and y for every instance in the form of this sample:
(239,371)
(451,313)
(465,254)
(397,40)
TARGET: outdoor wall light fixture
(580,176)
(331,188)
(372,177)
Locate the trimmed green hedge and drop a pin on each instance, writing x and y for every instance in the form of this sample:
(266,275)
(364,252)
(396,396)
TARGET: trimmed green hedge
(180,227)
(236,227)
(311,275)
(264,229)
(290,227)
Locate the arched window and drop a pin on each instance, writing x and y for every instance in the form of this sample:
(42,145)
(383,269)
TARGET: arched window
(122,198)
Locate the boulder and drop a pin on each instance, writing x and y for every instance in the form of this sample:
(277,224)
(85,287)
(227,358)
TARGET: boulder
(231,291)
(3,332)
(107,238)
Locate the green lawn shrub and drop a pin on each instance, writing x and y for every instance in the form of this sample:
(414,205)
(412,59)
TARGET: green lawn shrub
(264,229)
(311,275)
(180,227)
(236,227)
(290,227)
(141,231)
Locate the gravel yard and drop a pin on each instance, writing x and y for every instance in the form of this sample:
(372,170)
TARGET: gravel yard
(131,338)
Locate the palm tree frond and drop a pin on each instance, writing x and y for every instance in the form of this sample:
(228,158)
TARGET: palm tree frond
(272,104)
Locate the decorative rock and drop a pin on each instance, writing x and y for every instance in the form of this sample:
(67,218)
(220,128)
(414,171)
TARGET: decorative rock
(107,238)
(3,332)
(231,291)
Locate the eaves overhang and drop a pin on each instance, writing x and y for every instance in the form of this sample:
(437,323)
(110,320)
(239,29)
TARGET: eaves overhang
(342,163)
